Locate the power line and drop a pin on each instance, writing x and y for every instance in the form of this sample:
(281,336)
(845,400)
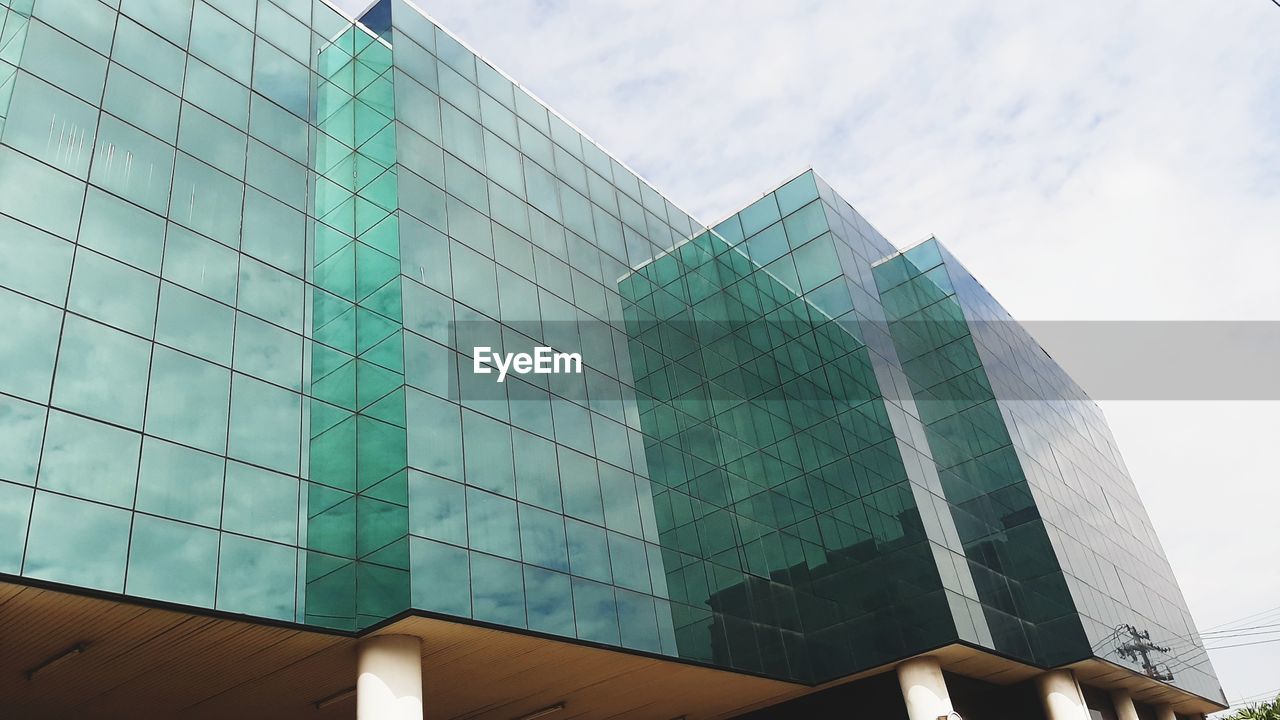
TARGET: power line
(1256,642)
(1257,615)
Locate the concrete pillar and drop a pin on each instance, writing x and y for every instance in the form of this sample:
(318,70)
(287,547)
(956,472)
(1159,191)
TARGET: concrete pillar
(1123,703)
(1165,712)
(924,689)
(1061,696)
(389,686)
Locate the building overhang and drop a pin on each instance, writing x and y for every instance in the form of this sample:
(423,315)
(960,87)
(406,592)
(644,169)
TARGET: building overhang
(104,656)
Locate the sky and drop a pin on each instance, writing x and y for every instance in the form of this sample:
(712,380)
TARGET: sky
(1093,160)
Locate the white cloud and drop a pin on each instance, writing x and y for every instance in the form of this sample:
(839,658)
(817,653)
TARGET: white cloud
(1097,159)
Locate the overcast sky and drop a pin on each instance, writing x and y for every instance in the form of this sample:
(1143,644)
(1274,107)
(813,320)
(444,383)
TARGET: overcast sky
(1087,160)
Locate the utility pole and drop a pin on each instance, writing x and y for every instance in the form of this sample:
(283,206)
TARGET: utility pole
(1138,648)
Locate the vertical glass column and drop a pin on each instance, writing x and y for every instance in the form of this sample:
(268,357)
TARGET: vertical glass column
(14,18)
(357,505)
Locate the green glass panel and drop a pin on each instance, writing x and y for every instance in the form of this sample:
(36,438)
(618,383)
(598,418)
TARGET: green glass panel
(595,612)
(15,508)
(28,347)
(441,577)
(265,424)
(180,483)
(271,294)
(437,509)
(102,372)
(88,553)
(141,103)
(274,233)
(89,460)
(542,538)
(121,230)
(39,195)
(208,139)
(268,352)
(260,503)
(548,601)
(24,426)
(91,24)
(172,561)
(113,293)
(64,63)
(491,524)
(195,324)
(50,125)
(170,18)
(256,578)
(497,590)
(206,200)
(33,262)
(147,54)
(179,384)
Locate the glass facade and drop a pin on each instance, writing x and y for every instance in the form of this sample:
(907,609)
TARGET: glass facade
(248,249)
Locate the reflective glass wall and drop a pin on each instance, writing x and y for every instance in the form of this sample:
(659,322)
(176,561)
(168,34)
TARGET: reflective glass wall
(248,249)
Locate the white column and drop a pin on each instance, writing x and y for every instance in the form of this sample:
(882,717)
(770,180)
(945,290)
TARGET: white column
(1061,696)
(1165,712)
(1123,703)
(389,686)
(924,689)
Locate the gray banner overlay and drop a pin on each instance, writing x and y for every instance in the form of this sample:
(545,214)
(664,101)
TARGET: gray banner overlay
(1109,360)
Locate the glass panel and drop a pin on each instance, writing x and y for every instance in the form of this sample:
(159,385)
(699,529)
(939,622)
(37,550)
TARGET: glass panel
(542,538)
(170,18)
(588,550)
(141,103)
(91,24)
(488,454)
(180,483)
(280,78)
(89,553)
(15,507)
(213,141)
(172,561)
(102,372)
(39,195)
(89,460)
(270,294)
(216,93)
(64,63)
(28,346)
(497,590)
(206,200)
(188,400)
(548,601)
(132,164)
(441,577)
(51,125)
(595,611)
(23,424)
(113,293)
(201,264)
(256,577)
(274,232)
(147,54)
(437,508)
(33,262)
(260,503)
(123,231)
(222,43)
(491,524)
(195,324)
(265,424)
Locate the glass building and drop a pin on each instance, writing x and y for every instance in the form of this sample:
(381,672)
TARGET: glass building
(249,249)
